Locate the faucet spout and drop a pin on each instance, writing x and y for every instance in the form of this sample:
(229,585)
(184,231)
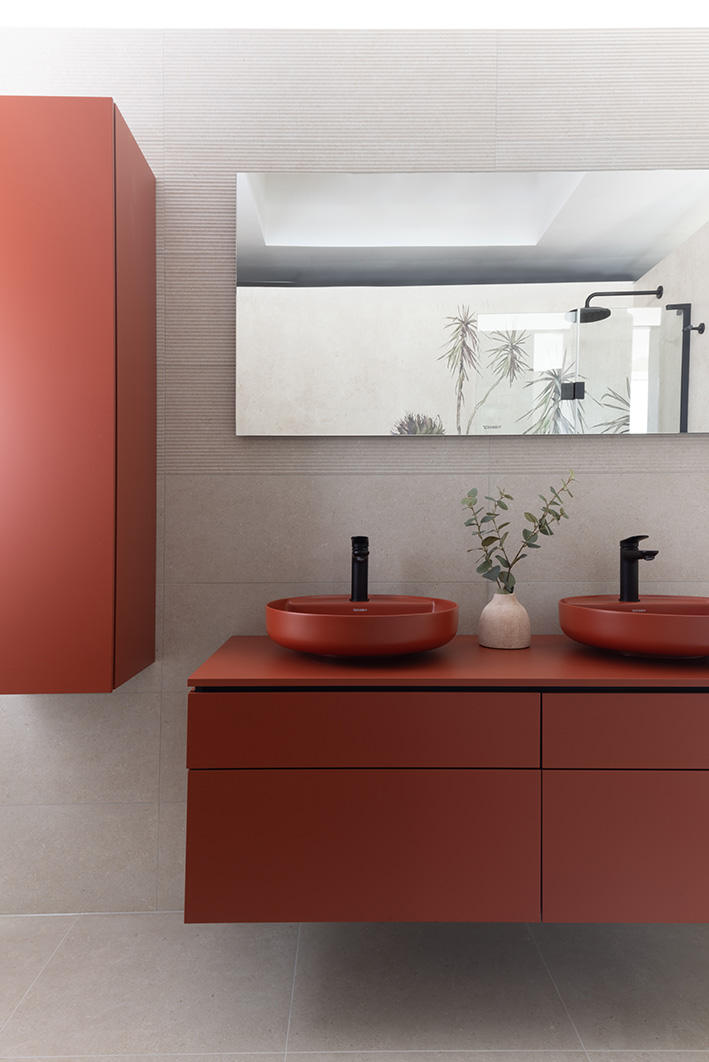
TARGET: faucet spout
(360,568)
(630,554)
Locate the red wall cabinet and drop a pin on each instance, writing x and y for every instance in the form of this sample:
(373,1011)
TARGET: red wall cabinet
(77,397)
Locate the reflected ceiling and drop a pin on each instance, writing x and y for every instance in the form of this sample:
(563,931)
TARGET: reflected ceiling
(338,229)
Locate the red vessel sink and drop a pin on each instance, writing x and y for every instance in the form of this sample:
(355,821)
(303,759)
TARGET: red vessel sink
(656,625)
(386,625)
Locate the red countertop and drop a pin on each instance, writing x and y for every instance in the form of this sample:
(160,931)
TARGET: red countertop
(552,660)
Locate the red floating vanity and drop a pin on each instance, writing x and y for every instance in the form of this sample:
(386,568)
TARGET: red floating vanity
(467,784)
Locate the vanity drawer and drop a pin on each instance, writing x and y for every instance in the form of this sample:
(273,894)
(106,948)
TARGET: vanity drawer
(363,728)
(626,730)
(363,846)
(625,846)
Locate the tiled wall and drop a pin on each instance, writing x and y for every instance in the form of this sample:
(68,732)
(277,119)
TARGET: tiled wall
(92,787)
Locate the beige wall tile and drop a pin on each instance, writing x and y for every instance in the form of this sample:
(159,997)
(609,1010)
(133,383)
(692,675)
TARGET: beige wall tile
(173,747)
(604,510)
(123,984)
(171,857)
(78,857)
(86,748)
(236,528)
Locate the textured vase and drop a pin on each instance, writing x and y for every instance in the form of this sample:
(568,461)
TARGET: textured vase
(504,624)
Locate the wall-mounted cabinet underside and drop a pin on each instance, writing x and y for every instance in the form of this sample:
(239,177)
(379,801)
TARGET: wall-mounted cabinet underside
(434,803)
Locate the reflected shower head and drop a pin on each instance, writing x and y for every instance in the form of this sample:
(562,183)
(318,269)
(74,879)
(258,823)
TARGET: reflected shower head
(588,313)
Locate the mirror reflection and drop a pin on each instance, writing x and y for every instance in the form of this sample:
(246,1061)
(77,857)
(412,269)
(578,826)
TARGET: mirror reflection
(456,304)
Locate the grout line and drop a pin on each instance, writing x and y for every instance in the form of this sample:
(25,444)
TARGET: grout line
(561,998)
(85,914)
(292,992)
(36,979)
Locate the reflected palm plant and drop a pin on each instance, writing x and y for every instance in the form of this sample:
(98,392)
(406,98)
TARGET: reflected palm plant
(547,408)
(462,354)
(509,358)
(508,361)
(620,425)
(418,424)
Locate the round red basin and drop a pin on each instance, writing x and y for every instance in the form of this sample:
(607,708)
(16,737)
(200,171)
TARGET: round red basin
(386,625)
(656,625)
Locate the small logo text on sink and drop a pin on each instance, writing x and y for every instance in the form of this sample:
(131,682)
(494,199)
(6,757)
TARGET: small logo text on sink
(360,610)
(639,610)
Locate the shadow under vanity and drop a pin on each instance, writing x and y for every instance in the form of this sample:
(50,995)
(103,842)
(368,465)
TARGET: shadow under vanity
(557,784)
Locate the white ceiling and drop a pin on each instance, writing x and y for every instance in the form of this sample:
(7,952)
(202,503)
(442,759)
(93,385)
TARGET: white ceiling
(317,229)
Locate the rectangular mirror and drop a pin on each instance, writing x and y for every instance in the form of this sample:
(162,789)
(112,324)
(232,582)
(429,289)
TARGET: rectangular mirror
(450,303)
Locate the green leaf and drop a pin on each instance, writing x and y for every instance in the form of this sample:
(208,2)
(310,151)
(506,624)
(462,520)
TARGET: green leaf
(469,523)
(484,567)
(503,505)
(473,493)
(502,561)
(529,516)
(492,574)
(509,496)
(486,519)
(489,541)
(500,526)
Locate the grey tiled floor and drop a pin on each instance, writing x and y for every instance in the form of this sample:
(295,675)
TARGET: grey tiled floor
(144,985)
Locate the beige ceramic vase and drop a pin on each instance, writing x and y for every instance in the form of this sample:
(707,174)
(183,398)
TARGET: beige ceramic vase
(504,623)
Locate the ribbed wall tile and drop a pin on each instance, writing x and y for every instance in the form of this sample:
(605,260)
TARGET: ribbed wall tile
(596,85)
(329,98)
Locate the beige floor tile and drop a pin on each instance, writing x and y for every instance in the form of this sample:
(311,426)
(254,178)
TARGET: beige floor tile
(86,748)
(440,1056)
(632,987)
(171,857)
(648,1056)
(402,987)
(261,1056)
(26,944)
(78,857)
(141,984)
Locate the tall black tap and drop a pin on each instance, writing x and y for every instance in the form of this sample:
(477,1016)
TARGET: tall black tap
(630,554)
(360,567)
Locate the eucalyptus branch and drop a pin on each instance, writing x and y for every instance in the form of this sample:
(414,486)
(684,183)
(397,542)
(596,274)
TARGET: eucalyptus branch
(489,527)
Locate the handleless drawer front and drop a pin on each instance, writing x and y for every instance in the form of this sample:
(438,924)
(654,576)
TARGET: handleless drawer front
(625,846)
(363,729)
(363,846)
(626,730)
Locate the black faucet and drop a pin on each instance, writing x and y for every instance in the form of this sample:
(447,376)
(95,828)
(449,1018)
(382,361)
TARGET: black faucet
(629,557)
(360,567)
